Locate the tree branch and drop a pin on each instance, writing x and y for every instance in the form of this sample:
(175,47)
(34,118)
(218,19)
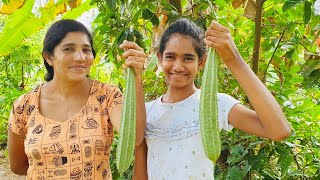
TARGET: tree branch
(257,36)
(265,72)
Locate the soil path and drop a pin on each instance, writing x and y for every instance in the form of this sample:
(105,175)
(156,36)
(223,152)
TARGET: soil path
(5,172)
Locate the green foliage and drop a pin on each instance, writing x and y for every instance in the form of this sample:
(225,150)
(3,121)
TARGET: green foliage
(288,65)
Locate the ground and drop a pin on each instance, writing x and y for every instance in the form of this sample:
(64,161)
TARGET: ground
(5,172)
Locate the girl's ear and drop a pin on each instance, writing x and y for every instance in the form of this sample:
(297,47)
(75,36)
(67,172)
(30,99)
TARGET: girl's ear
(159,55)
(202,61)
(47,57)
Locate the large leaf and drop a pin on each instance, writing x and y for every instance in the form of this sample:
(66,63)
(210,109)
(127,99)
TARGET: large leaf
(20,24)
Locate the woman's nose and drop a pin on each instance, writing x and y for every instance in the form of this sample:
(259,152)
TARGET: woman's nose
(79,56)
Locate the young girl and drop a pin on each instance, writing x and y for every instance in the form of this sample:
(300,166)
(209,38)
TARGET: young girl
(173,148)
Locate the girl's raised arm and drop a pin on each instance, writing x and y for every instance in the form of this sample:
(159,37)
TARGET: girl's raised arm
(267,120)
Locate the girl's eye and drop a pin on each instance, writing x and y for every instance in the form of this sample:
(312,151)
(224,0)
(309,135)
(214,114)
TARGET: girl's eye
(189,58)
(169,57)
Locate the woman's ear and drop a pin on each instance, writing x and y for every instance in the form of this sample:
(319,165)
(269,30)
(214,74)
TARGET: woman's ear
(202,61)
(159,55)
(47,57)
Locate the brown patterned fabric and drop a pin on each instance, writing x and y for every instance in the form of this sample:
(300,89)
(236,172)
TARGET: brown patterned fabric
(77,148)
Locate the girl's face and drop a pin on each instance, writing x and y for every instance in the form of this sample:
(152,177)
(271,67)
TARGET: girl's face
(72,57)
(180,62)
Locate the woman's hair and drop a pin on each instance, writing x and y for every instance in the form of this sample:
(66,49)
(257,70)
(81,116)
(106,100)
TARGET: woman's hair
(186,27)
(55,35)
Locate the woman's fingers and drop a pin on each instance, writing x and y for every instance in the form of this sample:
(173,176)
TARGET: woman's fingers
(134,52)
(134,55)
(130,45)
(135,62)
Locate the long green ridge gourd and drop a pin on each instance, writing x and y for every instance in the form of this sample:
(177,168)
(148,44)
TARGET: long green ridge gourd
(210,133)
(127,135)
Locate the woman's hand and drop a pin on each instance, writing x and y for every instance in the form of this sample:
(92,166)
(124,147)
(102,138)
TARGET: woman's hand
(219,38)
(134,55)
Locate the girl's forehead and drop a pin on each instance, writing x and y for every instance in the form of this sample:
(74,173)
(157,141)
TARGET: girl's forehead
(180,43)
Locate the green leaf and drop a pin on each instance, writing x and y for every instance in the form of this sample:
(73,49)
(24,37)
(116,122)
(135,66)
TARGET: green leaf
(20,25)
(220,3)
(147,14)
(285,158)
(289,4)
(307,12)
(155,21)
(6,1)
(234,173)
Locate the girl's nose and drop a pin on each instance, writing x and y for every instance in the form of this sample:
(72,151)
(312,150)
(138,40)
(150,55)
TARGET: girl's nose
(178,65)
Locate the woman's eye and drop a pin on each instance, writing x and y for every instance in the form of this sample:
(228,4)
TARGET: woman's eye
(67,49)
(87,50)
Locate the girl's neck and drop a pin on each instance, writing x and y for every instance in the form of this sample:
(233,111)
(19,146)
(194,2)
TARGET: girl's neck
(174,95)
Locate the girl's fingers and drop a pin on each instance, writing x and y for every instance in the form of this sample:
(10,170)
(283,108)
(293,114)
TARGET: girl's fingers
(216,26)
(210,43)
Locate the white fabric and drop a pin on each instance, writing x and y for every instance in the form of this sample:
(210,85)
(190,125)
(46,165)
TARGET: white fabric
(175,150)
(317,7)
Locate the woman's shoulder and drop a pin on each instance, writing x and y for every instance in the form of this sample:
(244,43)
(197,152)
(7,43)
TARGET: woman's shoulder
(26,102)
(104,88)
(22,99)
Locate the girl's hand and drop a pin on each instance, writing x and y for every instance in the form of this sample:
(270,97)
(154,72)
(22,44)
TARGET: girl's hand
(134,55)
(219,38)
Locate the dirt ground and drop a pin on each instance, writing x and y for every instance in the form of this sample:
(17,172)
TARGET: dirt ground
(5,172)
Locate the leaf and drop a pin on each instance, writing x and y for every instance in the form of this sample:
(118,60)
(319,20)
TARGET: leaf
(6,1)
(21,24)
(234,173)
(285,158)
(155,21)
(307,12)
(147,14)
(220,3)
(289,4)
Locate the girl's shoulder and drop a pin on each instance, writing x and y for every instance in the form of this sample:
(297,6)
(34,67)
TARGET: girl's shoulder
(151,103)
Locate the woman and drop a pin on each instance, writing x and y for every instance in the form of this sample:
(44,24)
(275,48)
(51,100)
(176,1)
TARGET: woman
(173,148)
(64,127)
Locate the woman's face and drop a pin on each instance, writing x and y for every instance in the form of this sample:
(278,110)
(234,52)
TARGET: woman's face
(179,61)
(72,57)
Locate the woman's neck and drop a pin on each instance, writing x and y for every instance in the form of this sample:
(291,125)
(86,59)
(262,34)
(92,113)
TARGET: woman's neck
(69,88)
(174,95)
